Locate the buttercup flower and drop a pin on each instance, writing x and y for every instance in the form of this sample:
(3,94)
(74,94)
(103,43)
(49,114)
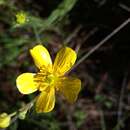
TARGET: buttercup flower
(50,78)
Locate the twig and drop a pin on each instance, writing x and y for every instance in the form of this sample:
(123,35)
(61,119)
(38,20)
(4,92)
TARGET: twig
(69,118)
(101,2)
(103,125)
(125,7)
(92,32)
(119,114)
(118,126)
(102,42)
(72,35)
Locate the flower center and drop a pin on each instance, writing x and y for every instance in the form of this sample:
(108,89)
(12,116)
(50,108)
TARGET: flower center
(50,79)
(45,80)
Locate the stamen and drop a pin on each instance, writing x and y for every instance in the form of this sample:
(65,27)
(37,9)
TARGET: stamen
(44,79)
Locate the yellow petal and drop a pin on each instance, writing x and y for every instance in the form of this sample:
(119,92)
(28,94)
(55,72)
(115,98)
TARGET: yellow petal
(65,59)
(69,87)
(25,83)
(46,101)
(41,57)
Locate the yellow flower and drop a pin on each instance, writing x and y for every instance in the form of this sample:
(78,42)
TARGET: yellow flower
(21,18)
(50,78)
(4,120)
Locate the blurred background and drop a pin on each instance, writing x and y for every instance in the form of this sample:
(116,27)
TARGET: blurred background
(104,101)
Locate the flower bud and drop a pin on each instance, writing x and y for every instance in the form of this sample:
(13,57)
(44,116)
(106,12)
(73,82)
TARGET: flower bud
(22,114)
(21,18)
(4,120)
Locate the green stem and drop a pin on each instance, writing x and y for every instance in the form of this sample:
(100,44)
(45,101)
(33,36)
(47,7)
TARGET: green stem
(13,114)
(36,34)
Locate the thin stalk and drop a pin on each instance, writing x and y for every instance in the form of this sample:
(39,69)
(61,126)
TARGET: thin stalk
(115,31)
(102,120)
(36,34)
(120,108)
